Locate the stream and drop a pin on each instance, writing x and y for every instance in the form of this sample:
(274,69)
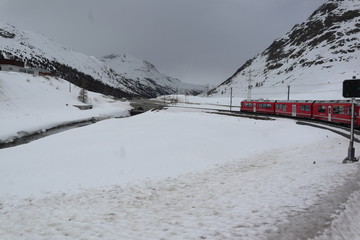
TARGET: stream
(41,134)
(139,106)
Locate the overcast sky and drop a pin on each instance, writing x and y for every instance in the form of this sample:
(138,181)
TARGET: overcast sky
(198,41)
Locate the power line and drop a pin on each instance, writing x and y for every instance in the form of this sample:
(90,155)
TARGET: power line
(337,90)
(316,84)
(298,85)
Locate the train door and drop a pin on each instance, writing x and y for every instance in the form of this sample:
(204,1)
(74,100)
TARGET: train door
(329,113)
(294,110)
(254,107)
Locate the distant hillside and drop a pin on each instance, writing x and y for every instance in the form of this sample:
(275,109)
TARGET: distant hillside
(146,74)
(313,58)
(87,71)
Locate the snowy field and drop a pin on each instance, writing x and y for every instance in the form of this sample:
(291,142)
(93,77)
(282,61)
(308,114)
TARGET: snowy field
(178,173)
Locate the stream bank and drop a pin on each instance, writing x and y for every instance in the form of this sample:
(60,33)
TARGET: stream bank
(26,137)
(23,137)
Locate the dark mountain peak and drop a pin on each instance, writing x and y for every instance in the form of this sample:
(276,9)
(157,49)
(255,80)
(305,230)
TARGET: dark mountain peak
(321,27)
(149,66)
(7,31)
(326,8)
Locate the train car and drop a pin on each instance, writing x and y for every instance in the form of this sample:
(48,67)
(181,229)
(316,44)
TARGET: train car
(259,106)
(338,111)
(294,108)
(246,106)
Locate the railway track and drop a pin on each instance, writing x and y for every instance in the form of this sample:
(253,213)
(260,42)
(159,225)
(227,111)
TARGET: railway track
(333,127)
(260,116)
(300,121)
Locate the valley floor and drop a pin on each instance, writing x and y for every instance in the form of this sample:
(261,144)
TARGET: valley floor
(181,174)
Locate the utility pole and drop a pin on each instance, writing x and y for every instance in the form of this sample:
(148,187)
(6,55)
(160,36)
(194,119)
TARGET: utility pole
(249,85)
(288,98)
(177,95)
(351,149)
(230,98)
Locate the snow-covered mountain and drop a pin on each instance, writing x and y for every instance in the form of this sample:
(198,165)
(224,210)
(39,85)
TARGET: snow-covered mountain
(146,74)
(314,57)
(88,71)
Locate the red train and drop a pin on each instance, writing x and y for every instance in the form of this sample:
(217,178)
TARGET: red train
(337,111)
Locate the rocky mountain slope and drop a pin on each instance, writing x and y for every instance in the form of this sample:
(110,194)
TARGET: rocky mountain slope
(146,74)
(87,71)
(311,60)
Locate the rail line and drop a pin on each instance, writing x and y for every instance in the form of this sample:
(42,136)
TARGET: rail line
(300,121)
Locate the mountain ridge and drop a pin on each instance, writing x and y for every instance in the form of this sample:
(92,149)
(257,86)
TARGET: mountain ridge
(128,66)
(324,46)
(85,71)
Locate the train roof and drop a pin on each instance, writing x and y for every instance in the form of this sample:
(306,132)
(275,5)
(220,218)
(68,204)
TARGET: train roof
(337,101)
(303,101)
(259,100)
(295,101)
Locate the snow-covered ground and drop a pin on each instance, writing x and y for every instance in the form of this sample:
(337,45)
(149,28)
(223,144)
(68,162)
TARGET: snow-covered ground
(174,175)
(178,173)
(219,103)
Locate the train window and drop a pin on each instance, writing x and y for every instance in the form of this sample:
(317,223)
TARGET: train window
(339,110)
(264,105)
(305,108)
(248,105)
(281,107)
(322,109)
(342,110)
